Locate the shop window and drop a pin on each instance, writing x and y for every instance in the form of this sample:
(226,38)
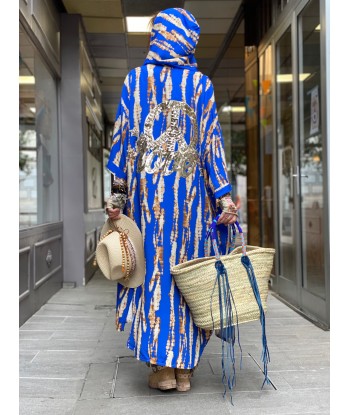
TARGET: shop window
(38,138)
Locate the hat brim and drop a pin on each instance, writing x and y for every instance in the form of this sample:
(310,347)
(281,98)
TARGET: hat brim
(108,258)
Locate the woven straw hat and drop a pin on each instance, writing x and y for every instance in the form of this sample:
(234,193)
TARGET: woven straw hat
(109,253)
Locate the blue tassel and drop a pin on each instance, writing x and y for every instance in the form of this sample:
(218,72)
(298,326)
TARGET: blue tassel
(227,328)
(265,356)
(227,307)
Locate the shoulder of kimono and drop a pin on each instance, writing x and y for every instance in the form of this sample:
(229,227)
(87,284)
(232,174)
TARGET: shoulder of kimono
(133,74)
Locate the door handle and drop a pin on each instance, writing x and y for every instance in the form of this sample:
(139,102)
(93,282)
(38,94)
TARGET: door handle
(297,174)
(300,175)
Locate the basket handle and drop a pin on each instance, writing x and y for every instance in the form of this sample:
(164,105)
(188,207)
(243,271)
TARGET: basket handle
(213,235)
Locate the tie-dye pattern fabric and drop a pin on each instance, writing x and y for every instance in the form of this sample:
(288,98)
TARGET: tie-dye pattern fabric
(174,37)
(168,146)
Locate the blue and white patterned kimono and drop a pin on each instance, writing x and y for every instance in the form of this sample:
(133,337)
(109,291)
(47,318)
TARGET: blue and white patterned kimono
(168,146)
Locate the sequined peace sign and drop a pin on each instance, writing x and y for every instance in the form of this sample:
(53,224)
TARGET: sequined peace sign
(169,152)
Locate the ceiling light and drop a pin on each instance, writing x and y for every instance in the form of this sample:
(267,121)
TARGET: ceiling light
(238,109)
(230,108)
(138,24)
(26,80)
(32,109)
(288,77)
(318,28)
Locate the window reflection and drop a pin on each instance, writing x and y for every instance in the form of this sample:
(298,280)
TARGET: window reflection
(311,151)
(286,154)
(38,156)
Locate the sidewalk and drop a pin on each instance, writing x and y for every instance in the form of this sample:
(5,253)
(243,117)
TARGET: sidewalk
(72,361)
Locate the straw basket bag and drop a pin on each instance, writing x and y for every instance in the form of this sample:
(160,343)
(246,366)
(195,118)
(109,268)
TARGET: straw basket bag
(226,290)
(196,279)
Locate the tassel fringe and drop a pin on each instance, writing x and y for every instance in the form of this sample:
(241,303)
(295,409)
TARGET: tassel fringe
(227,329)
(265,355)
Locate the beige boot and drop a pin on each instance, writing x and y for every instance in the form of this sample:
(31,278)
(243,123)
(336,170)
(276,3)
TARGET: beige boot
(183,379)
(162,378)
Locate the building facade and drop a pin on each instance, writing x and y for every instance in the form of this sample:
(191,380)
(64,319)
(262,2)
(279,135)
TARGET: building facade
(62,141)
(276,144)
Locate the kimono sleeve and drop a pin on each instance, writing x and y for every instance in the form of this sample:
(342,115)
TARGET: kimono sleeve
(214,153)
(117,163)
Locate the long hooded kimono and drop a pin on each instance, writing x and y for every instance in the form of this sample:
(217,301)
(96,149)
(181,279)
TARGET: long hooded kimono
(168,146)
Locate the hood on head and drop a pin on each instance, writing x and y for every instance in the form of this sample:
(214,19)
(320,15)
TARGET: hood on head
(174,38)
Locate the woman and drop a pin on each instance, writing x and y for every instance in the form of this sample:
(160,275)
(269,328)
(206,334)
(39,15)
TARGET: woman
(168,157)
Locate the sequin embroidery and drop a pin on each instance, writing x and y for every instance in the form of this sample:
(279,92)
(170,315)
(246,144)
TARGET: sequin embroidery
(169,152)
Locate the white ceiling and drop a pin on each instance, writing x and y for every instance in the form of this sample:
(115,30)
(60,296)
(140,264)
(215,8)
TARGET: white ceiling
(115,52)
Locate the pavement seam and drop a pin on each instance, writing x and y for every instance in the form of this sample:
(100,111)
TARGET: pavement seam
(91,363)
(114,381)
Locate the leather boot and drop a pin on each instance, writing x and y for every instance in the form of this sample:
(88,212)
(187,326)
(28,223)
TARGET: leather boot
(162,378)
(183,379)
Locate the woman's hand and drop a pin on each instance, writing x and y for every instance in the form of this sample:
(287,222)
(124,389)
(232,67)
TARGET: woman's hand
(227,218)
(113,214)
(229,211)
(112,211)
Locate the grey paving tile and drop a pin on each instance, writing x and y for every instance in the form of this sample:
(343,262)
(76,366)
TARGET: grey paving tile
(66,370)
(81,334)
(70,323)
(108,355)
(248,364)
(45,319)
(99,380)
(61,312)
(245,403)
(204,368)
(63,356)
(282,360)
(50,388)
(97,389)
(111,334)
(249,381)
(101,370)
(282,402)
(57,344)
(41,325)
(52,305)
(307,379)
(304,346)
(45,406)
(132,380)
(26,356)
(35,334)
(93,321)
(165,404)
(76,296)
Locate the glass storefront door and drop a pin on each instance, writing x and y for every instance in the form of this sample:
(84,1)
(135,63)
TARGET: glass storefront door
(301,276)
(286,150)
(311,150)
